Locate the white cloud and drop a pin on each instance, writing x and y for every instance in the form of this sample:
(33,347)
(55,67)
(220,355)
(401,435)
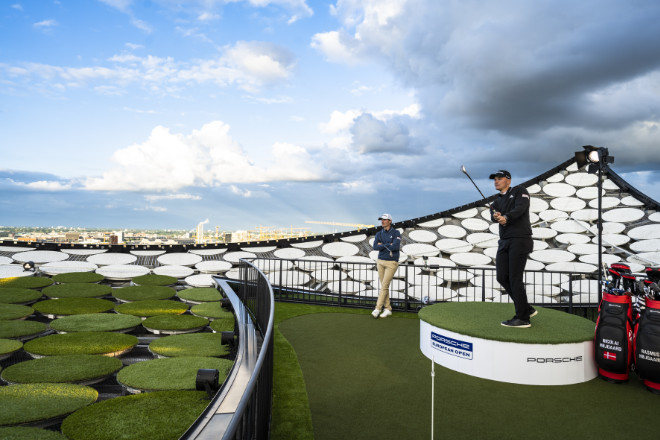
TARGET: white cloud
(45,25)
(335,47)
(248,65)
(207,157)
(46,185)
(340,121)
(179,196)
(17,6)
(240,192)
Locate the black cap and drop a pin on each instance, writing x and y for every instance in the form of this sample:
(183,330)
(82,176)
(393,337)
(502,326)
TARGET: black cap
(500,173)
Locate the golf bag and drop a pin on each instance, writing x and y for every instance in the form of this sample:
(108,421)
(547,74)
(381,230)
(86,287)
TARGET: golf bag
(622,278)
(647,346)
(614,337)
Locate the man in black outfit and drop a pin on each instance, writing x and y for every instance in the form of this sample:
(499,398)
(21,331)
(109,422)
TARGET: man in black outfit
(511,211)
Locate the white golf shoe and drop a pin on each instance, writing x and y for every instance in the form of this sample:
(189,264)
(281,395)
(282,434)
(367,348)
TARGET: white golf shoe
(375,313)
(386,313)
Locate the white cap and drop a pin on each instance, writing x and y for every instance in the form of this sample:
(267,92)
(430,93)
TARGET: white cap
(385,217)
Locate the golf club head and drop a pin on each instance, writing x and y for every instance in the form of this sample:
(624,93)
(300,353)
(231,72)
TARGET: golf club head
(463,169)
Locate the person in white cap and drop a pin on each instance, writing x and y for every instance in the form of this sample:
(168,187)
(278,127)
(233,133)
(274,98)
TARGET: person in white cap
(387,242)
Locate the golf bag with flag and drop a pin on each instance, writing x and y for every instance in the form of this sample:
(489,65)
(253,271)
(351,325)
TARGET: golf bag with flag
(614,328)
(647,334)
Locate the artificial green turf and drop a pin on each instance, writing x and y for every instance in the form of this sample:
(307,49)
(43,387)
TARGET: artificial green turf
(9,346)
(78,277)
(174,322)
(155,416)
(154,280)
(95,322)
(33,402)
(171,374)
(18,295)
(192,344)
(73,306)
(18,329)
(482,320)
(291,414)
(143,293)
(14,311)
(200,294)
(106,343)
(358,370)
(58,369)
(211,310)
(77,290)
(152,308)
(26,282)
(222,324)
(27,433)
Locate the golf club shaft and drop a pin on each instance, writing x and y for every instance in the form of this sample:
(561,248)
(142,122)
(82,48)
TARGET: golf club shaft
(475,185)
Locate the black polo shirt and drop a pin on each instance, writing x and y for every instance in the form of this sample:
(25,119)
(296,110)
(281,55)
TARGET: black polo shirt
(514,204)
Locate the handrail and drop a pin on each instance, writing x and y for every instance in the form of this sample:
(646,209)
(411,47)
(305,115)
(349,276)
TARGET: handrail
(226,415)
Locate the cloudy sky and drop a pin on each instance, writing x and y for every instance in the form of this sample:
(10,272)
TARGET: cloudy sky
(164,113)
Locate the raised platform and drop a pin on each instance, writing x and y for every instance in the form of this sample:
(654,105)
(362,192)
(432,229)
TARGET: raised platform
(467,337)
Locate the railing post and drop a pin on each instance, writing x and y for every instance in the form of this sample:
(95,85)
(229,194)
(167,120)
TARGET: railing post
(483,285)
(405,289)
(340,295)
(570,293)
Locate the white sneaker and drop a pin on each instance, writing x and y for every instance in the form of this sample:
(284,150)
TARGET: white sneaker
(386,313)
(375,313)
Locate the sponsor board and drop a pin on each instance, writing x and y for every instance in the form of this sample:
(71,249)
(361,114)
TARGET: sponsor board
(530,364)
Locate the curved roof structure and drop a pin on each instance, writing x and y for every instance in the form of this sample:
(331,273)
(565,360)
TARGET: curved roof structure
(563,213)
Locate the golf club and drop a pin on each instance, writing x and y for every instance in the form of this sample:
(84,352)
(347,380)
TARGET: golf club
(475,185)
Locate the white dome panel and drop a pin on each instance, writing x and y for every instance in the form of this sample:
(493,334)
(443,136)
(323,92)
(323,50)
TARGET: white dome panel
(289,253)
(421,249)
(289,278)
(432,223)
(568,204)
(610,186)
(452,231)
(67,267)
(354,238)
(655,217)
(466,214)
(543,233)
(652,245)
(483,239)
(608,228)
(146,253)
(425,280)
(623,215)
(457,275)
(589,193)
(552,256)
(259,249)
(339,249)
(206,252)
(175,271)
(537,205)
(364,275)
(571,238)
(559,189)
(329,275)
(645,232)
(534,189)
(552,279)
(40,257)
(606,202)
(422,236)
(607,259)
(552,214)
(313,263)
(613,239)
(452,245)
(572,266)
(434,261)
(111,259)
(582,179)
(470,259)
(631,201)
(233,257)
(122,271)
(179,259)
(587,215)
(570,226)
(472,293)
(307,244)
(213,266)
(85,251)
(534,265)
(475,224)
(14,270)
(348,287)
(432,294)
(555,178)
(203,280)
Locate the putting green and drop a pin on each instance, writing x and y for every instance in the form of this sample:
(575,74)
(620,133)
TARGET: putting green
(31,403)
(143,293)
(105,343)
(199,294)
(20,329)
(95,322)
(211,310)
(193,344)
(72,306)
(26,282)
(78,277)
(14,311)
(482,320)
(152,308)
(77,290)
(158,415)
(153,279)
(384,390)
(170,374)
(18,295)
(174,323)
(60,369)
(26,433)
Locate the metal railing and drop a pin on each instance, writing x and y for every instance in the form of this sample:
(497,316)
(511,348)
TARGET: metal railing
(356,284)
(242,407)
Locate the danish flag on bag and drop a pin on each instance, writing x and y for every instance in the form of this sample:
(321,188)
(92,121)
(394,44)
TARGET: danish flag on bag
(609,355)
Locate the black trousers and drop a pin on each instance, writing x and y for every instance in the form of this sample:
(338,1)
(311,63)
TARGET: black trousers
(510,263)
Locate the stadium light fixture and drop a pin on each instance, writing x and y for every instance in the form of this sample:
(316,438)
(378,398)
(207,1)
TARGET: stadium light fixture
(28,265)
(597,158)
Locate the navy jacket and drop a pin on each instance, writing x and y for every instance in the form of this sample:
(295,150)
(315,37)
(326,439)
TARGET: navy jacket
(391,241)
(515,206)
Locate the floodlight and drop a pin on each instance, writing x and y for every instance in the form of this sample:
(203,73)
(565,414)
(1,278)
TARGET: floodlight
(28,265)
(208,380)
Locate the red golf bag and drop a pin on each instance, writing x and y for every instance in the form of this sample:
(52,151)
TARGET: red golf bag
(647,337)
(614,337)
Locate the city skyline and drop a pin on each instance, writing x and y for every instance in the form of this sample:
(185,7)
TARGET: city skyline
(131,114)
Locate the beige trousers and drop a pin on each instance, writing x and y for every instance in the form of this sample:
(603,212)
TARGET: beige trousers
(386,270)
